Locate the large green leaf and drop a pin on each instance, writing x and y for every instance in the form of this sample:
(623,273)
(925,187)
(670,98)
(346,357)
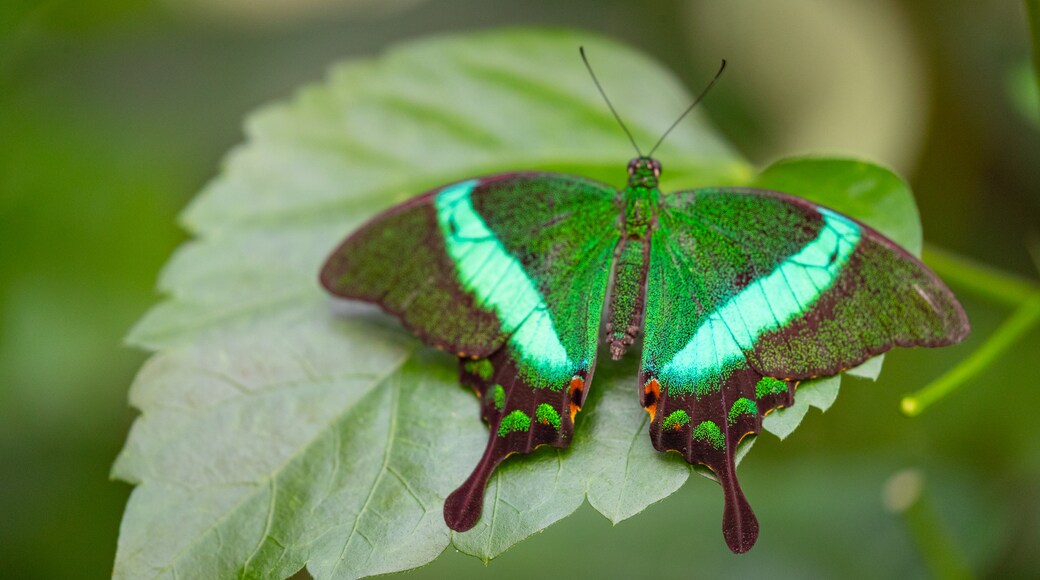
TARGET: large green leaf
(279,429)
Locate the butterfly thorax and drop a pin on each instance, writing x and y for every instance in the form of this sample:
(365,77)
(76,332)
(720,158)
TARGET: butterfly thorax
(639,199)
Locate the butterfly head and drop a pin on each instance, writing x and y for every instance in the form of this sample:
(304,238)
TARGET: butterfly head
(643,172)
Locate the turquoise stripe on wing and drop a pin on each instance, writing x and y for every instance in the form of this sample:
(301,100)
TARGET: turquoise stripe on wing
(766,304)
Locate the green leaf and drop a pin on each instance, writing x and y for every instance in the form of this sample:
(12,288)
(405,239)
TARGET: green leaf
(280,430)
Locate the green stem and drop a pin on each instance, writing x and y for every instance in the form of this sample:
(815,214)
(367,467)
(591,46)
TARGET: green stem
(1021,321)
(978,278)
(905,493)
(943,558)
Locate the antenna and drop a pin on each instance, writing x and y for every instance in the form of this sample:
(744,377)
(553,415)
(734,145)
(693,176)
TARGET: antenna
(581,49)
(688,109)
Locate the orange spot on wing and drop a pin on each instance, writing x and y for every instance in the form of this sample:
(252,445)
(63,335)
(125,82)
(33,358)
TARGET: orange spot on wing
(577,386)
(652,389)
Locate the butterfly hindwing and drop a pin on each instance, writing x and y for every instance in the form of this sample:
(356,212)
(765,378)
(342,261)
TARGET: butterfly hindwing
(510,273)
(705,426)
(521,417)
(770,289)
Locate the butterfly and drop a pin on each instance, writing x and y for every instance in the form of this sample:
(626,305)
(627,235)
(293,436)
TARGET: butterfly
(737,294)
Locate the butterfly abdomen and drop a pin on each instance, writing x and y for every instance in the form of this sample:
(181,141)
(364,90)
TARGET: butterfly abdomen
(628,294)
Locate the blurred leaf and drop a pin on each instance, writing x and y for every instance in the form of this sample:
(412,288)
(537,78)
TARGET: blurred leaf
(277,432)
(1024,92)
(819,76)
(265,14)
(1033,15)
(85,205)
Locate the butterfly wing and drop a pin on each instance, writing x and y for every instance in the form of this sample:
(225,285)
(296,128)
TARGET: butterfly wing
(770,289)
(509,272)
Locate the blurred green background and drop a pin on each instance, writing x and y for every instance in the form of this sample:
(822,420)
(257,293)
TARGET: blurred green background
(114,113)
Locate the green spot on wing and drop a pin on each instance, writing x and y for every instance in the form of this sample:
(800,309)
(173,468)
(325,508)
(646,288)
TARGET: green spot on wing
(769,386)
(515,421)
(548,415)
(676,419)
(742,406)
(482,368)
(710,432)
(499,394)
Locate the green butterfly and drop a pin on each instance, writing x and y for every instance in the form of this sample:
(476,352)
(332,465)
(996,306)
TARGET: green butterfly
(737,294)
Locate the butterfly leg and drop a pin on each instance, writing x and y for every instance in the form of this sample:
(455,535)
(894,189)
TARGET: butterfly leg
(520,417)
(706,423)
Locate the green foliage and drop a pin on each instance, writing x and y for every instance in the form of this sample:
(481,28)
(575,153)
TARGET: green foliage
(278,430)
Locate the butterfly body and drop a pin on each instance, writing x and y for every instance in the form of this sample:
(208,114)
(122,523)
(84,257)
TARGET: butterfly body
(638,205)
(737,294)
